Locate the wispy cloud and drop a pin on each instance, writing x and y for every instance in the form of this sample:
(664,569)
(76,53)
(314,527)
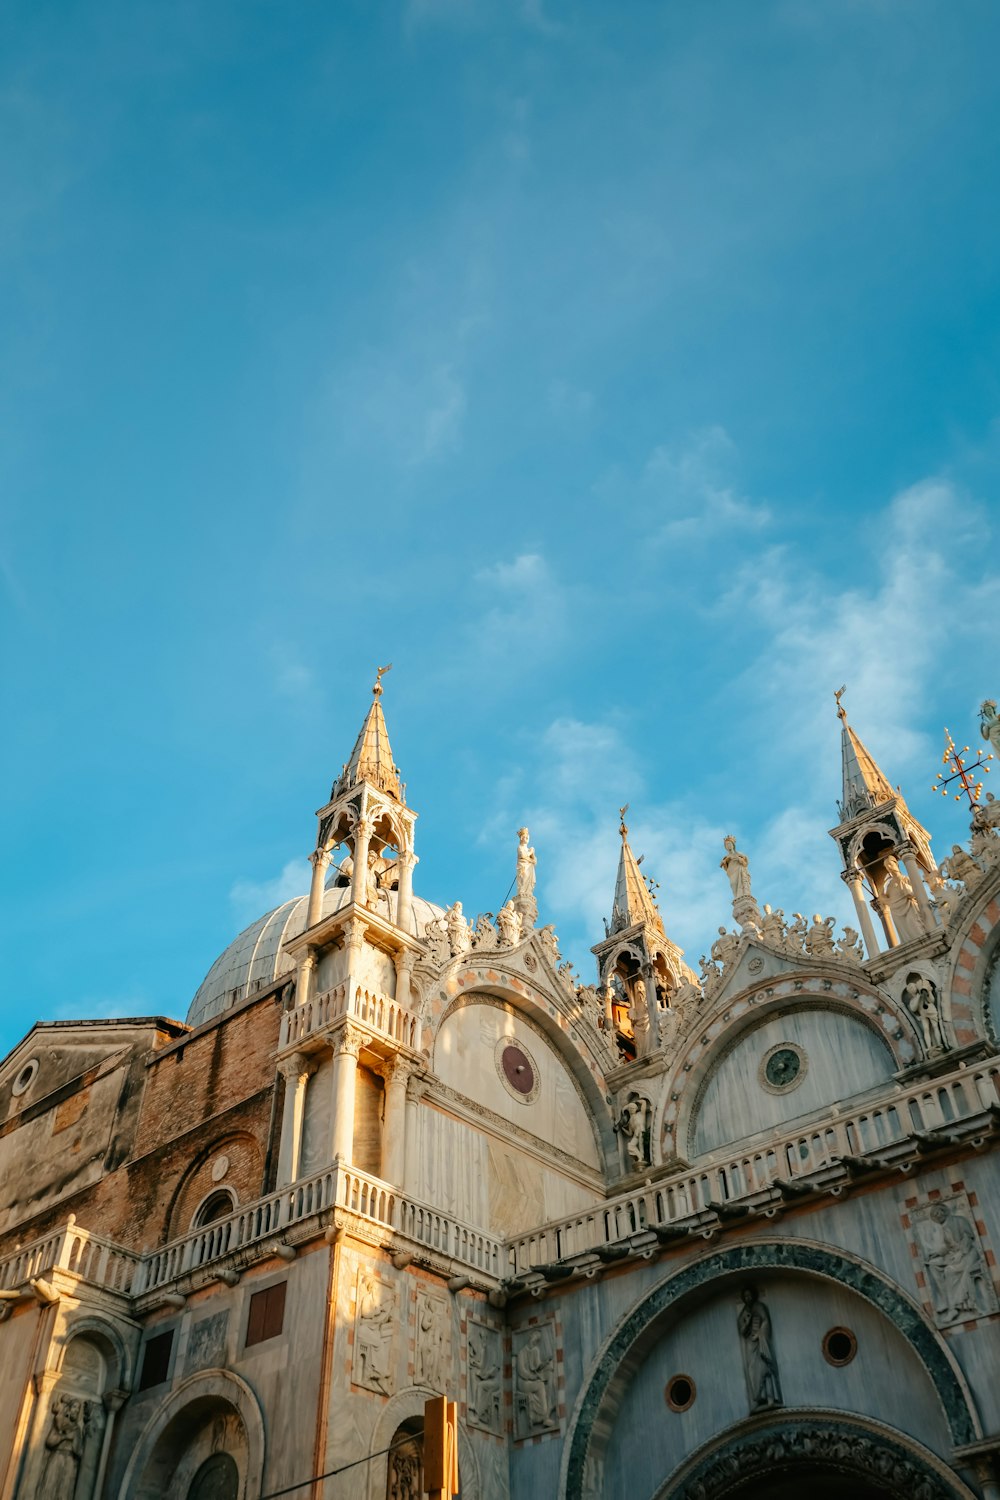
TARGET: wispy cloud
(692,493)
(250,898)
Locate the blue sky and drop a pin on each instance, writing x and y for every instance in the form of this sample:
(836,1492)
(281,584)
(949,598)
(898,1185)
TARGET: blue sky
(627,375)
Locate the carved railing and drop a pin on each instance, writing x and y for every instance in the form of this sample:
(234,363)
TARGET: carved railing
(341,1187)
(787,1157)
(75,1250)
(380,1013)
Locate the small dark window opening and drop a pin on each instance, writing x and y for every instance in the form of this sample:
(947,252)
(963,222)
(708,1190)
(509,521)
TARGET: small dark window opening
(267,1313)
(680,1392)
(156,1360)
(840,1346)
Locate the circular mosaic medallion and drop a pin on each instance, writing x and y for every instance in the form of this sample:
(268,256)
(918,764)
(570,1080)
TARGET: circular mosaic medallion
(756,964)
(517,1069)
(783,1068)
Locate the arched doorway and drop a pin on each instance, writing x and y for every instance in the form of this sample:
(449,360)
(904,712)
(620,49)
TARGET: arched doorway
(822,1455)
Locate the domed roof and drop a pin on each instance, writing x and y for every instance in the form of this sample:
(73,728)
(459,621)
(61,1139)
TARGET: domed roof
(257,957)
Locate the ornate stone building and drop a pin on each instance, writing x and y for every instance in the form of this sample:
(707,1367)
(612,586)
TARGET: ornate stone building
(675,1234)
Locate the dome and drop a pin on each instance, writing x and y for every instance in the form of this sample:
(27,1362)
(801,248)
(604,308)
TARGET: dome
(257,957)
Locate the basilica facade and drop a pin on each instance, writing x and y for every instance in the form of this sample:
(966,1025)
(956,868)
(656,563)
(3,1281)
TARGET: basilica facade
(682,1232)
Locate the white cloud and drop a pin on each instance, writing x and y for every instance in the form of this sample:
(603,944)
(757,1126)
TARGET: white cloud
(251,898)
(692,497)
(440,427)
(525,615)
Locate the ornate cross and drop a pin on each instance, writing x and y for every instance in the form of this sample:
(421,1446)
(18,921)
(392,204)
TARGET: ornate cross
(960,772)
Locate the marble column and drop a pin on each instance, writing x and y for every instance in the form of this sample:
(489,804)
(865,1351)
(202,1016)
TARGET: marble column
(652,1005)
(320,862)
(908,856)
(404,896)
(306,978)
(295,1071)
(852,879)
(346,1046)
(404,961)
(881,907)
(415,1090)
(395,1073)
(363,830)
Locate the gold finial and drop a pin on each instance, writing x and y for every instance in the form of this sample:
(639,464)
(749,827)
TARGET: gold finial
(841,710)
(623,830)
(379,674)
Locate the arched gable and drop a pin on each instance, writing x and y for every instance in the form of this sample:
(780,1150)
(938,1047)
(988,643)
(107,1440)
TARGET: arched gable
(975,945)
(612,1371)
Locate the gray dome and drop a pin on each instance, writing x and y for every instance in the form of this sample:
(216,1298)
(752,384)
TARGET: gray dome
(257,957)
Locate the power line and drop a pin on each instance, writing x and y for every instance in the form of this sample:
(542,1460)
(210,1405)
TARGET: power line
(315,1479)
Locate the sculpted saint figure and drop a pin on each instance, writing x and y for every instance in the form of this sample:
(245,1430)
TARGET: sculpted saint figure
(989,724)
(724,948)
(819,938)
(921,1000)
(685,997)
(902,903)
(985,841)
(759,1363)
(961,866)
(632,1127)
(773,928)
(64,1442)
(509,924)
(951,1252)
(484,1378)
(737,868)
(404,1473)
(795,935)
(991,811)
(373,1336)
(533,1373)
(526,862)
(459,937)
(430,1346)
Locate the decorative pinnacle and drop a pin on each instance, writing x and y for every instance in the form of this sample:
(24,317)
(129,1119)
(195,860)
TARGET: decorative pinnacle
(841,710)
(379,674)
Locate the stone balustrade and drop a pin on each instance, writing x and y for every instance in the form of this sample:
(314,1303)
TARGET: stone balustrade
(709,1189)
(932,1106)
(76,1251)
(381,1014)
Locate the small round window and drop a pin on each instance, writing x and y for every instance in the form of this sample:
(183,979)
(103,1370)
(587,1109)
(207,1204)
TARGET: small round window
(680,1392)
(839,1346)
(517,1069)
(22,1083)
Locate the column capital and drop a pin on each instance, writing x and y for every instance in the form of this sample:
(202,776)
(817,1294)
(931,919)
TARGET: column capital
(308,959)
(347,1042)
(407,859)
(850,875)
(298,1067)
(321,858)
(405,961)
(397,1069)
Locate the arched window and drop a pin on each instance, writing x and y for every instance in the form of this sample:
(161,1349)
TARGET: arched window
(216,1206)
(217,1479)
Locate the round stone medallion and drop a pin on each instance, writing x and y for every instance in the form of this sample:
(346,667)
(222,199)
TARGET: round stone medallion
(220,1167)
(517,1069)
(783,1068)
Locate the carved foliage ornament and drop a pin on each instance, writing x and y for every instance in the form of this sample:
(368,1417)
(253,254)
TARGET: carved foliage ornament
(808,1446)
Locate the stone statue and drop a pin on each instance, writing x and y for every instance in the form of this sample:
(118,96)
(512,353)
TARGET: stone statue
(373,1335)
(524,897)
(954,1264)
(550,943)
(795,934)
(991,810)
(902,903)
(961,866)
(371,881)
(459,936)
(710,975)
(429,1360)
(509,924)
(989,724)
(725,947)
(737,868)
(484,1393)
(64,1445)
(985,841)
(639,1016)
(534,1382)
(920,998)
(632,1124)
(686,998)
(438,944)
(819,938)
(772,928)
(759,1364)
(404,1480)
(851,947)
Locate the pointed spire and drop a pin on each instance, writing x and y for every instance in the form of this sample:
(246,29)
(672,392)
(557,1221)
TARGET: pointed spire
(371,759)
(864,784)
(634,904)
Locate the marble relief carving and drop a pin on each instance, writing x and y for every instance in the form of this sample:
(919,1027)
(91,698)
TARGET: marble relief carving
(484,1391)
(64,1448)
(373,1334)
(760,1366)
(431,1357)
(534,1373)
(955,1269)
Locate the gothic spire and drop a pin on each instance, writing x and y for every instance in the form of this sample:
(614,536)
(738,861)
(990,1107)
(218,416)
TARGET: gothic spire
(864,784)
(371,759)
(634,904)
